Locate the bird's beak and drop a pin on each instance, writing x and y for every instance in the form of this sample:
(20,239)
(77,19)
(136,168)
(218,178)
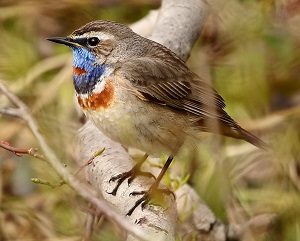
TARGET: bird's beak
(66,41)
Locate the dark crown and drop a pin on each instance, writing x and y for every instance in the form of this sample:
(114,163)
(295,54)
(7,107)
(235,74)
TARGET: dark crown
(117,29)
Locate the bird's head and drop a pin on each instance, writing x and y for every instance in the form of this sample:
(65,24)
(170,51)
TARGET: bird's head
(92,47)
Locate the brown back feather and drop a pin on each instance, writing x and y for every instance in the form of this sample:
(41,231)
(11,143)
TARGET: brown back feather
(163,78)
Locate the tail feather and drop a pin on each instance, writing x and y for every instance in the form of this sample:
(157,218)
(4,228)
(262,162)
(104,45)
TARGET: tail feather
(233,130)
(238,132)
(249,137)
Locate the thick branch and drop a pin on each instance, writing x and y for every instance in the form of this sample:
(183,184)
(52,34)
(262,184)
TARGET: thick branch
(179,25)
(154,220)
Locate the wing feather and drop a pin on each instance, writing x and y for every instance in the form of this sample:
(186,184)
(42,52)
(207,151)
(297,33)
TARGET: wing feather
(163,78)
(171,83)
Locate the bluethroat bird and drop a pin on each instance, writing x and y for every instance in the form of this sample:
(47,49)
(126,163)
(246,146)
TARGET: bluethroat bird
(140,94)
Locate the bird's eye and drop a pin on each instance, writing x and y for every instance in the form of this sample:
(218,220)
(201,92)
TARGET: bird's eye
(93,41)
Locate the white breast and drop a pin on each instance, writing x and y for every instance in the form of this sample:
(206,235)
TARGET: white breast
(136,123)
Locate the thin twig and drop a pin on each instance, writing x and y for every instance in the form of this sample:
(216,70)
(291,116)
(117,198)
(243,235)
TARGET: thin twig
(20,152)
(10,112)
(89,161)
(47,183)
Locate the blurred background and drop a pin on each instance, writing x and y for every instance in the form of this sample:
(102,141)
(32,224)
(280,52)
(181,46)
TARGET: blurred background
(249,50)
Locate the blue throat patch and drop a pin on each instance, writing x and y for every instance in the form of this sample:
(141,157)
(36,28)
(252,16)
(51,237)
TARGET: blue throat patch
(84,59)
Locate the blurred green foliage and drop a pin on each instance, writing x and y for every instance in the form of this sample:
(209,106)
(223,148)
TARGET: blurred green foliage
(249,50)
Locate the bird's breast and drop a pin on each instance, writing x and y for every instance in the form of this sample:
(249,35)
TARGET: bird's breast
(98,100)
(124,117)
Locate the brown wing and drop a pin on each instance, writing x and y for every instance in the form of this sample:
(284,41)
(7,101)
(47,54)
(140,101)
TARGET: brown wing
(165,79)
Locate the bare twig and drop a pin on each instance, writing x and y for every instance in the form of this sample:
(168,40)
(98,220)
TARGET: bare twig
(89,161)
(10,111)
(46,183)
(20,152)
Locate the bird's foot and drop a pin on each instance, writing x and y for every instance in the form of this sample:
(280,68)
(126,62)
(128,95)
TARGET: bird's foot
(134,172)
(148,195)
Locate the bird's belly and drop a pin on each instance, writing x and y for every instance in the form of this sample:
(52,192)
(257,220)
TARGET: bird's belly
(135,123)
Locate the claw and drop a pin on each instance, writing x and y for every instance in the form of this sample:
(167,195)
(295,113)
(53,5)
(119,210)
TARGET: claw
(140,173)
(154,187)
(145,199)
(121,177)
(135,171)
(137,203)
(137,193)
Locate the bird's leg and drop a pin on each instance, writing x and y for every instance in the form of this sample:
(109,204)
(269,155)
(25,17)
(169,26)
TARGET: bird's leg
(154,188)
(135,171)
